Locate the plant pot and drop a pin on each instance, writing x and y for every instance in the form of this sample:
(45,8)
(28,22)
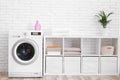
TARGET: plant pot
(104,32)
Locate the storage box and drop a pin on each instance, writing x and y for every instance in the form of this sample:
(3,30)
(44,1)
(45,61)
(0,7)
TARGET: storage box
(107,50)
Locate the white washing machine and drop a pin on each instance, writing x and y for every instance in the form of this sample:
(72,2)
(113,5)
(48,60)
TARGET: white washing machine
(25,54)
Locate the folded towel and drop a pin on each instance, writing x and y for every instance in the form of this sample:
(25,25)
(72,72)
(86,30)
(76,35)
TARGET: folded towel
(53,53)
(72,49)
(54,47)
(72,53)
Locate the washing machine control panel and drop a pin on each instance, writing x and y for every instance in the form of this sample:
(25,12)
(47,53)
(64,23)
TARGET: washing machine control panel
(35,33)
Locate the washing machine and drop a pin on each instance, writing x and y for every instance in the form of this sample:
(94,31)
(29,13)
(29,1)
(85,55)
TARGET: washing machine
(25,57)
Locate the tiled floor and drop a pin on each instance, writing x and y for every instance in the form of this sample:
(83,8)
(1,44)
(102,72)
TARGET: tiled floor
(4,76)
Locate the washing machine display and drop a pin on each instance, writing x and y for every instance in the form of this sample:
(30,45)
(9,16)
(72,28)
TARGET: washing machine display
(25,51)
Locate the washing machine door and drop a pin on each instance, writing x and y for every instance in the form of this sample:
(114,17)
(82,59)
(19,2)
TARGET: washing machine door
(25,51)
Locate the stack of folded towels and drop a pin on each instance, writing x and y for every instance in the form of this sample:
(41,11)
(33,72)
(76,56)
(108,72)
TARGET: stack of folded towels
(54,50)
(72,51)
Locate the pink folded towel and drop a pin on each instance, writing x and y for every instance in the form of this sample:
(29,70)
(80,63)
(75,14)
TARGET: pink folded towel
(72,53)
(72,49)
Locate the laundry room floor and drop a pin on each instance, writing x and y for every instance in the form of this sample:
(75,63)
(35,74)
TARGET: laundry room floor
(4,76)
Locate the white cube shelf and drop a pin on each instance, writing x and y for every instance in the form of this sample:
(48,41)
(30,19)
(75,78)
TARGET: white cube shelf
(80,55)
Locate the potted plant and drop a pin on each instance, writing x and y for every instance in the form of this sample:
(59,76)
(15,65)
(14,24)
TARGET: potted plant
(103,19)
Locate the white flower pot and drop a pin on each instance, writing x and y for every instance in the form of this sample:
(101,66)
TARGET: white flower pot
(104,32)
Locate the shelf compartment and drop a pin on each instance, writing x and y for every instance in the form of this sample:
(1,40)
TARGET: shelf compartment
(109,46)
(54,46)
(109,65)
(90,65)
(72,65)
(72,46)
(54,65)
(90,46)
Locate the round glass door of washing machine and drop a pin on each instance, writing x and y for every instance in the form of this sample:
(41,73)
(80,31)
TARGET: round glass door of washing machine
(25,51)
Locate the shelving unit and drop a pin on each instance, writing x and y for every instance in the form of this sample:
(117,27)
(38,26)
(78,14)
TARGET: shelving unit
(80,55)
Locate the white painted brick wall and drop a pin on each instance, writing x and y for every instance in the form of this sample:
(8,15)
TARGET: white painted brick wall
(76,16)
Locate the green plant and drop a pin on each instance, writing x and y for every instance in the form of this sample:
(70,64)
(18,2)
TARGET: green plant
(103,18)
